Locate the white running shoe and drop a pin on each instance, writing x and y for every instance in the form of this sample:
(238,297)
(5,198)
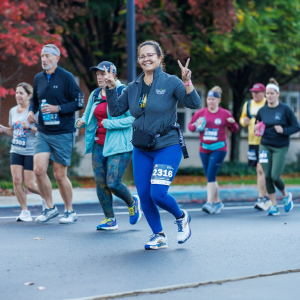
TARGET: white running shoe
(44,205)
(156,242)
(48,214)
(69,217)
(268,204)
(259,204)
(24,216)
(208,208)
(263,203)
(184,229)
(217,207)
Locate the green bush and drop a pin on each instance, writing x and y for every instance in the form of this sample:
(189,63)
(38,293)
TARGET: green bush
(6,185)
(235,168)
(5,174)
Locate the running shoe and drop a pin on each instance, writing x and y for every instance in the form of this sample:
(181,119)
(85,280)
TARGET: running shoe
(48,213)
(288,202)
(184,229)
(273,211)
(268,202)
(156,242)
(217,207)
(44,205)
(208,208)
(135,211)
(108,224)
(69,217)
(260,204)
(24,216)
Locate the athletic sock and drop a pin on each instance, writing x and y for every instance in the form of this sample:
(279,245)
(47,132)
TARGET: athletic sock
(162,234)
(182,216)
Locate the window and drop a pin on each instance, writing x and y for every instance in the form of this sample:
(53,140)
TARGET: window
(184,114)
(292,100)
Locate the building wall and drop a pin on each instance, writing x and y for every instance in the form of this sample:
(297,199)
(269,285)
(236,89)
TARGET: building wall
(11,75)
(26,74)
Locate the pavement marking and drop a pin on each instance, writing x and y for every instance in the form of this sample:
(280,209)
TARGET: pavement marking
(161,211)
(172,288)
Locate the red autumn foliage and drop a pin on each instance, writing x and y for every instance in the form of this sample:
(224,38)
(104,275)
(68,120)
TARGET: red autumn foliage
(23,32)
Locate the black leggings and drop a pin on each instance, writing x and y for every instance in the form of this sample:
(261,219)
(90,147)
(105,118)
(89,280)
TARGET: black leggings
(22,160)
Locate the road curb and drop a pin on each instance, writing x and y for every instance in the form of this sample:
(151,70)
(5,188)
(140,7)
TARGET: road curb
(183,194)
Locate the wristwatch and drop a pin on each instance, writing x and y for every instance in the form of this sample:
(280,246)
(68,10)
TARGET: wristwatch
(188,83)
(59,108)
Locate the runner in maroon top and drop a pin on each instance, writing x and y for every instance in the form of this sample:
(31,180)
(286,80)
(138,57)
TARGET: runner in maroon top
(212,122)
(101,114)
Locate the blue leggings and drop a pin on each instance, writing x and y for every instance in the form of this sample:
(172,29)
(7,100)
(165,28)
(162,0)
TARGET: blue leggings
(212,163)
(154,195)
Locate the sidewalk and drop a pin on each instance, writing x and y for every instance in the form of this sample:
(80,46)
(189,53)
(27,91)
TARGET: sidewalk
(191,193)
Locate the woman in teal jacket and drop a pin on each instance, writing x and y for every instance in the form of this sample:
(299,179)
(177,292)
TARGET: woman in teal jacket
(108,138)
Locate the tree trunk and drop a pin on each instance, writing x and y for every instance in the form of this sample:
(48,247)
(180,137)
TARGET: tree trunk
(239,83)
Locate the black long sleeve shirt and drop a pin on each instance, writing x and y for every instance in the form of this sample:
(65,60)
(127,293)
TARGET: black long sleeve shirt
(61,89)
(280,115)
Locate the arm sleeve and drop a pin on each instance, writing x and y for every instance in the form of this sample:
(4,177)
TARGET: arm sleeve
(191,100)
(293,123)
(34,103)
(117,106)
(118,123)
(10,119)
(258,117)
(243,115)
(73,90)
(87,111)
(234,127)
(37,119)
(195,117)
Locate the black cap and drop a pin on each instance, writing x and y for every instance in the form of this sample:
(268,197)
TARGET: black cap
(107,65)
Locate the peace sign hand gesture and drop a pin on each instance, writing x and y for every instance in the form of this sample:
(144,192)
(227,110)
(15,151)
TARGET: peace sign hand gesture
(185,72)
(109,78)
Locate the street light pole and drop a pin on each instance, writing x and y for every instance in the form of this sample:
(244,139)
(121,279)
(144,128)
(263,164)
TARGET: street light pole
(131,42)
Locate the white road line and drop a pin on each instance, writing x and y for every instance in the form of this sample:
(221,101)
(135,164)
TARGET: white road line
(182,286)
(161,211)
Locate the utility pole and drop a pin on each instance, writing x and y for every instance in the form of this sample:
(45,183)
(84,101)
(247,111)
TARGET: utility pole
(131,64)
(131,40)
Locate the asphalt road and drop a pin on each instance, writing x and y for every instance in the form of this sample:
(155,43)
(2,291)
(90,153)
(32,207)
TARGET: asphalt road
(76,261)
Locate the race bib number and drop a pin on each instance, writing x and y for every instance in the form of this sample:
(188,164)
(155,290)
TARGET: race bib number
(54,120)
(210,134)
(19,142)
(252,154)
(162,174)
(263,156)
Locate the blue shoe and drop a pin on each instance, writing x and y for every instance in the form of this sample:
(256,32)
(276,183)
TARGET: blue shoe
(156,242)
(288,202)
(273,211)
(207,207)
(217,207)
(108,224)
(135,211)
